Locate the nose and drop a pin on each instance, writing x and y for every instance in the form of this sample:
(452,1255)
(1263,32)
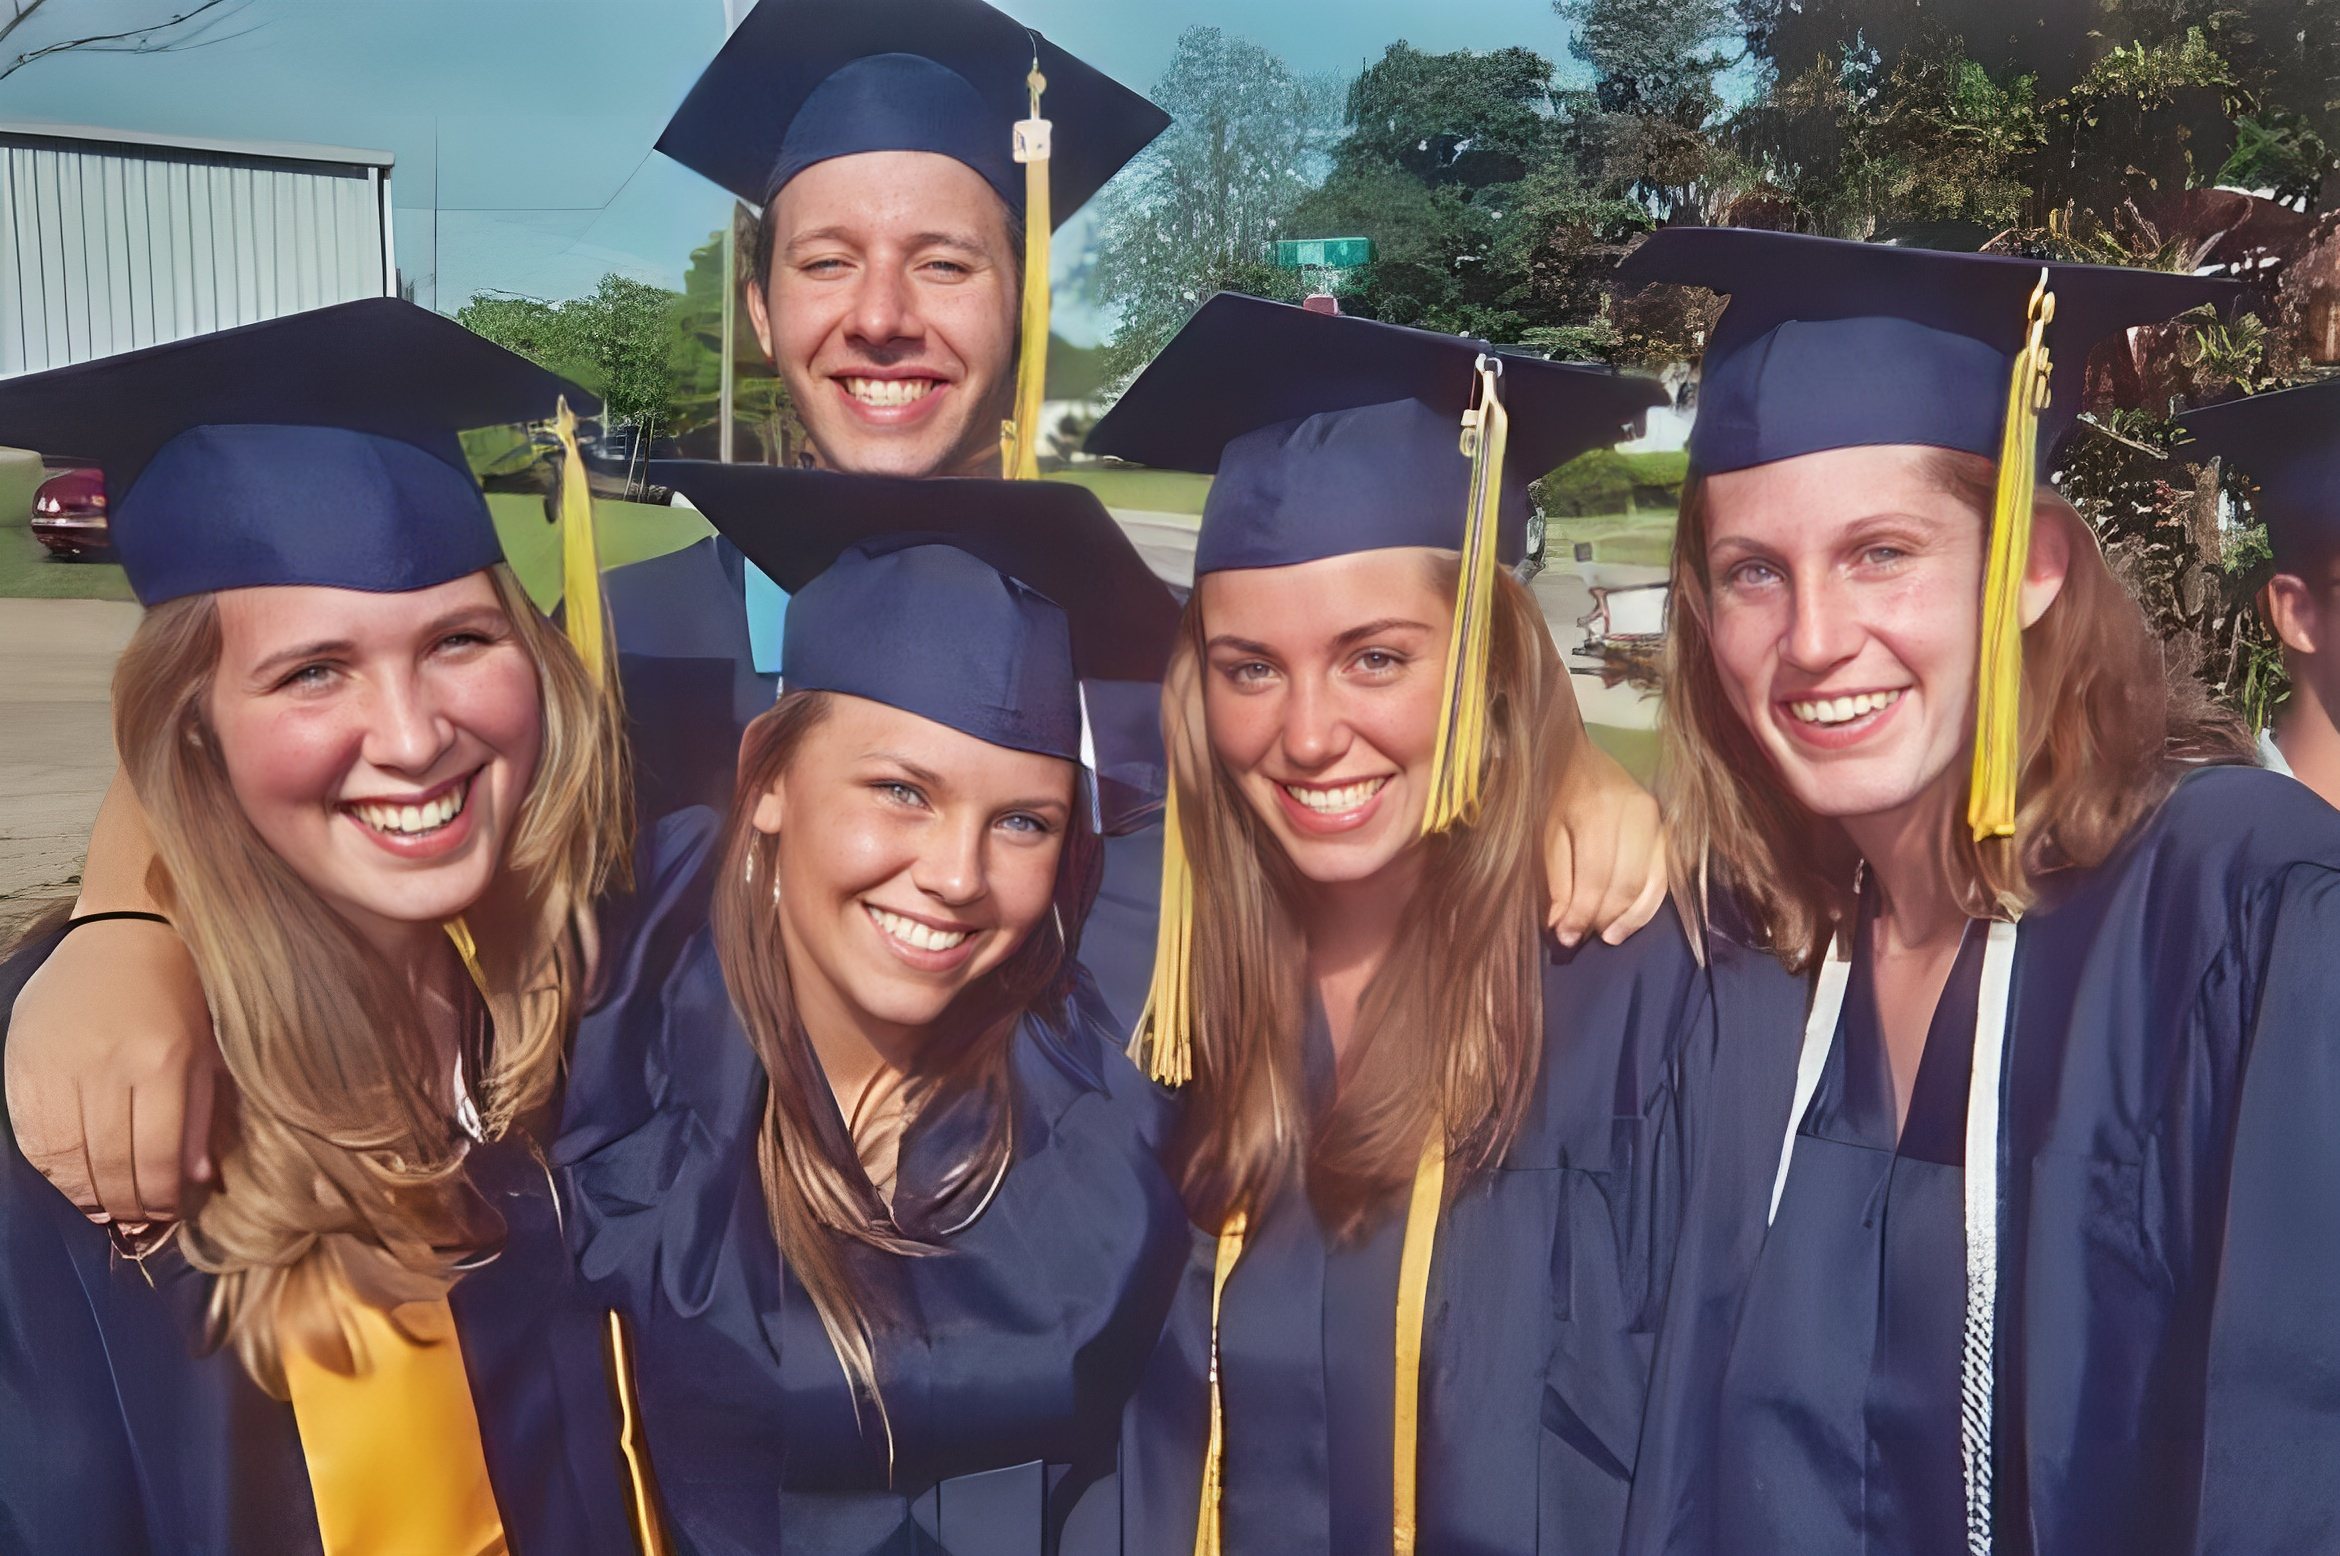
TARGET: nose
(407,731)
(885,312)
(951,867)
(1315,733)
(1823,631)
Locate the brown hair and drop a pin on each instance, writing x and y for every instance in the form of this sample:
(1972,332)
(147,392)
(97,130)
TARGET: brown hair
(817,1191)
(2103,717)
(1450,1031)
(346,1167)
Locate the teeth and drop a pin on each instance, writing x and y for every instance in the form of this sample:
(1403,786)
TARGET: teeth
(886,392)
(1333,802)
(1841,710)
(912,933)
(410,819)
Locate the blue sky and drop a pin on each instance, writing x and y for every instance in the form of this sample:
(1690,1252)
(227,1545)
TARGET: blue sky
(522,128)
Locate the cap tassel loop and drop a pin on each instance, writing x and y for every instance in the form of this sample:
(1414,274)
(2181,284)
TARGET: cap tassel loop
(1019,439)
(1164,1043)
(582,612)
(1458,762)
(1990,804)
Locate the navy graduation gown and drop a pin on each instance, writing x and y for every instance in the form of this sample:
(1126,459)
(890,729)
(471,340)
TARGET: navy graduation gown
(2167,1360)
(117,1435)
(1544,1288)
(1838,1421)
(1007,1365)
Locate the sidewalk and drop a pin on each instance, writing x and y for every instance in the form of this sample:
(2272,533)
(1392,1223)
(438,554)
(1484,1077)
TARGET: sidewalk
(56,743)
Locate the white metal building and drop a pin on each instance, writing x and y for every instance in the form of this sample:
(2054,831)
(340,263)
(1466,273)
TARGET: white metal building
(111,240)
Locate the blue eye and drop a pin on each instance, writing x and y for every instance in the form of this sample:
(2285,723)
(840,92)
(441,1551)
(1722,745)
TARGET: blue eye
(1021,821)
(900,793)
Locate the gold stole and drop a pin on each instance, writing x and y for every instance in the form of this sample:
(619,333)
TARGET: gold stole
(393,1450)
(395,1462)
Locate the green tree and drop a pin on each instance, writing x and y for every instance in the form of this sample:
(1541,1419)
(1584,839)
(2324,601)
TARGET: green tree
(759,397)
(1196,211)
(1643,128)
(617,342)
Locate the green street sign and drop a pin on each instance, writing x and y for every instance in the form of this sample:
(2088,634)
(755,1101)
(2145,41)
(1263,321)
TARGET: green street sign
(1329,253)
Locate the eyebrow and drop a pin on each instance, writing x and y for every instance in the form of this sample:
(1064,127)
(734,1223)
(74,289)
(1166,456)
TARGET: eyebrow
(1356,634)
(958,241)
(325,648)
(924,775)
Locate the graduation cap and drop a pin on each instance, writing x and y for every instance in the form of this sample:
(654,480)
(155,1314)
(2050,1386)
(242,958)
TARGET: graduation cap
(1832,344)
(982,605)
(1827,344)
(804,81)
(1330,435)
(2289,443)
(317,448)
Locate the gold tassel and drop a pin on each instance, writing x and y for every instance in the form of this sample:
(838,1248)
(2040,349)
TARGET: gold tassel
(580,556)
(1206,1523)
(1458,762)
(1019,438)
(1164,1043)
(1998,696)
(1413,1303)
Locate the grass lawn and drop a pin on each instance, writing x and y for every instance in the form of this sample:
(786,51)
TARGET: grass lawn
(1157,491)
(1636,750)
(1645,538)
(625,531)
(27,570)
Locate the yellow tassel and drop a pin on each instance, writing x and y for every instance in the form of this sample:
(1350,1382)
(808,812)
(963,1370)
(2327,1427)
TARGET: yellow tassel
(1414,1255)
(1458,762)
(1019,439)
(1206,1523)
(1164,1043)
(1998,696)
(580,556)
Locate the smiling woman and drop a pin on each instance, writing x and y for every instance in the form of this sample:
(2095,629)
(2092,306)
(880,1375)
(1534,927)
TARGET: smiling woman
(1997,1176)
(855,1144)
(383,794)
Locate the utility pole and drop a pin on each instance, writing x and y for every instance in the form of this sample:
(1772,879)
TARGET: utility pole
(728,382)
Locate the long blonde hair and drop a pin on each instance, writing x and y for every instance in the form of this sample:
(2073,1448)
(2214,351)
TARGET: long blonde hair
(1450,1030)
(345,1167)
(818,1195)
(2103,717)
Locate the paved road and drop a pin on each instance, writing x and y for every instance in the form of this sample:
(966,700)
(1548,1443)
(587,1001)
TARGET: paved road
(56,743)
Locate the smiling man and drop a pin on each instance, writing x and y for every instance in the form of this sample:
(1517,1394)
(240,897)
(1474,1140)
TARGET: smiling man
(879,140)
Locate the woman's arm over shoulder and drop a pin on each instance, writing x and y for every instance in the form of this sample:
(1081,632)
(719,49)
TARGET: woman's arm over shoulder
(67,1478)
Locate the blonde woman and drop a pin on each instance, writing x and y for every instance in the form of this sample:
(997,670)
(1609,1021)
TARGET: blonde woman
(855,1148)
(385,793)
(2014,1223)
(1433,1154)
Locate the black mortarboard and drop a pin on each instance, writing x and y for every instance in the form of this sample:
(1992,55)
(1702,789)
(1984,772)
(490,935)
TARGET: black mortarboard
(1829,344)
(982,605)
(317,448)
(1330,434)
(803,81)
(2288,443)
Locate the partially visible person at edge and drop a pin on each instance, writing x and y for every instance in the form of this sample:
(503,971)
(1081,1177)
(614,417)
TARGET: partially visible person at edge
(852,1144)
(1433,1157)
(387,793)
(891,255)
(2288,444)
(2015,1218)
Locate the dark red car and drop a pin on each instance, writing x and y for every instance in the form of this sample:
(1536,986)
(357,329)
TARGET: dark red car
(69,513)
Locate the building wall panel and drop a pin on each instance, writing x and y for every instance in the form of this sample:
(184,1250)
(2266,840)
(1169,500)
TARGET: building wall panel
(108,247)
